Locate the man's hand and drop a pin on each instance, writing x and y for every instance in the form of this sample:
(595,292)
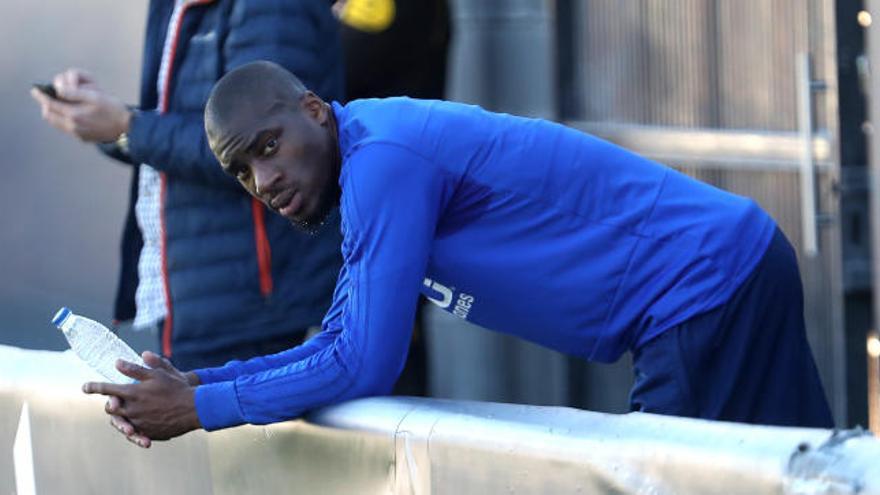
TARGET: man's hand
(123,426)
(159,407)
(83,109)
(114,403)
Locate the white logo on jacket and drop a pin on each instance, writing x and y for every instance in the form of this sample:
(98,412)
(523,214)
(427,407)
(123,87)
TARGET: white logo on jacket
(462,305)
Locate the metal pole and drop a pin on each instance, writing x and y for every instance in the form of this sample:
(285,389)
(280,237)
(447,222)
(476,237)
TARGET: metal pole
(872,42)
(807,172)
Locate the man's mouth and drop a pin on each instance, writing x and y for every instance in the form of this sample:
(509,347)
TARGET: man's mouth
(288,205)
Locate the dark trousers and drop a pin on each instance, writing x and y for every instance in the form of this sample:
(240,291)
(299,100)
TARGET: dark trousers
(746,361)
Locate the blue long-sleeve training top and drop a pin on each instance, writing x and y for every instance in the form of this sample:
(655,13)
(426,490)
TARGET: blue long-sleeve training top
(522,226)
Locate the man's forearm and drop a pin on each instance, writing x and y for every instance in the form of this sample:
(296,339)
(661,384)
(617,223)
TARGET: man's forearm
(234,369)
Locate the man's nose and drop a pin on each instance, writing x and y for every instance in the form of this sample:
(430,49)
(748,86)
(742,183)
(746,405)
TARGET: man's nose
(265,178)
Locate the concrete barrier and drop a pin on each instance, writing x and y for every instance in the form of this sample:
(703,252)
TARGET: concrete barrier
(419,446)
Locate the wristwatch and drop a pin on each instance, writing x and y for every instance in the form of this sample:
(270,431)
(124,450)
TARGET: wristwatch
(121,143)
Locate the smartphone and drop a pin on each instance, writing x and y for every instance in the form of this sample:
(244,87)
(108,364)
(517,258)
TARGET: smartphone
(47,89)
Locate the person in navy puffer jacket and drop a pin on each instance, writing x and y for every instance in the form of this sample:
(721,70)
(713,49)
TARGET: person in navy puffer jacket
(221,276)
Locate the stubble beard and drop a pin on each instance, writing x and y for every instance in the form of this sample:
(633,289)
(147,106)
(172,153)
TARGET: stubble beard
(313,226)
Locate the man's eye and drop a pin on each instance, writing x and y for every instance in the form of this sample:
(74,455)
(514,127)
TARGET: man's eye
(270,146)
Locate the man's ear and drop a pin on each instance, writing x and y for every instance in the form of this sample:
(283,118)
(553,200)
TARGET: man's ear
(314,107)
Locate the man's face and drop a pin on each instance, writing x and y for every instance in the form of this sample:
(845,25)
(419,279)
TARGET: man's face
(286,159)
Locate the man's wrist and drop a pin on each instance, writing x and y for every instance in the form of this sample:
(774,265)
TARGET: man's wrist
(217,406)
(192,379)
(121,141)
(126,119)
(194,422)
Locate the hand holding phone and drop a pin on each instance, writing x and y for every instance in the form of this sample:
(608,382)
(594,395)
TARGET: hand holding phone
(82,109)
(47,89)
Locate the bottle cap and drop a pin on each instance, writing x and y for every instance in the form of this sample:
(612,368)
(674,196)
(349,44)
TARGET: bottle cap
(60,316)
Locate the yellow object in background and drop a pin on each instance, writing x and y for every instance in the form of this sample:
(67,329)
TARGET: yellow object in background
(371,16)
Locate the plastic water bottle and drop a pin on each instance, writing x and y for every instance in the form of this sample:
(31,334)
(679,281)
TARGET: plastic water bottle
(96,345)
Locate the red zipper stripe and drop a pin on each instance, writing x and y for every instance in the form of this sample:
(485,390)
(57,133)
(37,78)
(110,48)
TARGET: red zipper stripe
(163,247)
(264,250)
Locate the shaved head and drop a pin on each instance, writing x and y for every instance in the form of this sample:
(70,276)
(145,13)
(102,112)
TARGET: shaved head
(253,91)
(278,139)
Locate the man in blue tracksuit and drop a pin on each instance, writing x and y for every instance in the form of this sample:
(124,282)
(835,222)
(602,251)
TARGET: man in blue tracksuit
(519,225)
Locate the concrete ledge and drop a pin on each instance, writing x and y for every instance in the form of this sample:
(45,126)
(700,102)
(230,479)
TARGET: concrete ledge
(420,446)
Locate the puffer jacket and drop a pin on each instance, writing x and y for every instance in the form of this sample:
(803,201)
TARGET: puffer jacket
(235,271)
